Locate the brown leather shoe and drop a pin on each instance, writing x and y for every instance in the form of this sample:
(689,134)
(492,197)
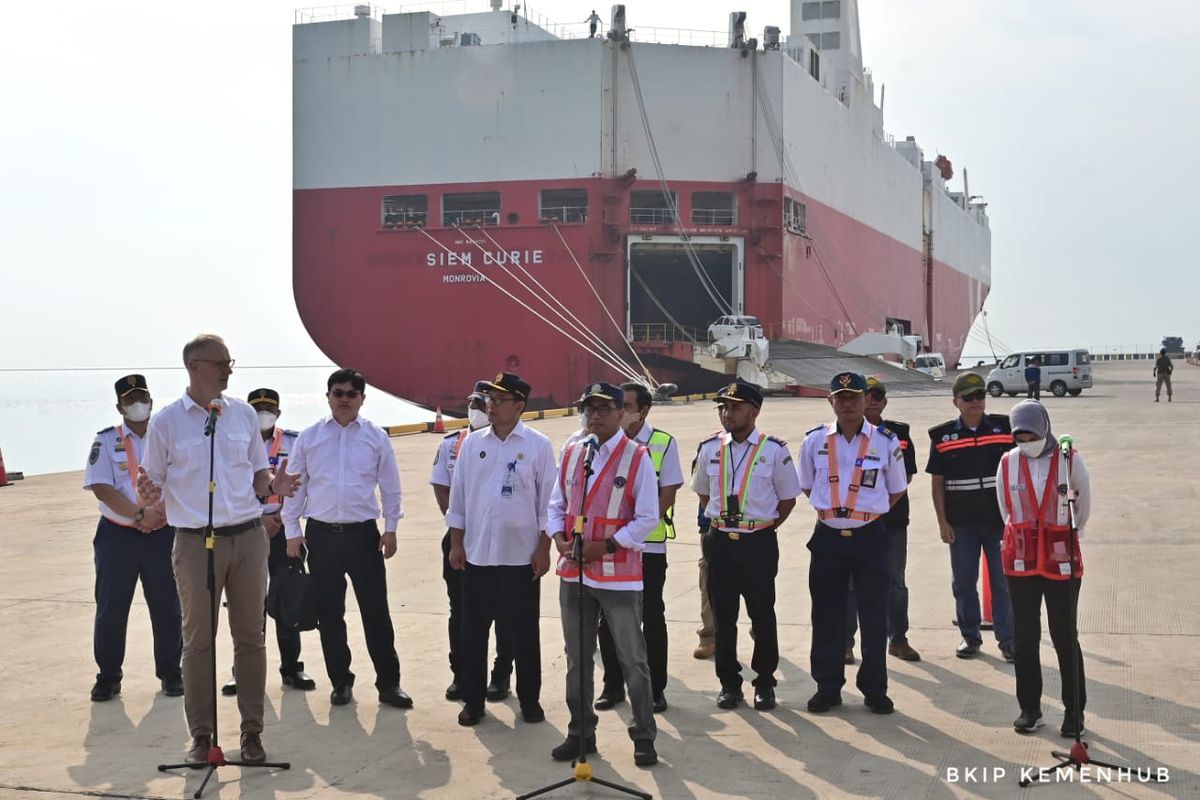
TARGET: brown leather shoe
(904,652)
(198,754)
(704,650)
(252,749)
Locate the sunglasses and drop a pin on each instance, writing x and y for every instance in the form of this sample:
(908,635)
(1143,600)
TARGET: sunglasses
(973,397)
(353,394)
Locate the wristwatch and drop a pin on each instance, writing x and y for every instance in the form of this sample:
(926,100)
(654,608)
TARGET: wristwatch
(140,515)
(610,546)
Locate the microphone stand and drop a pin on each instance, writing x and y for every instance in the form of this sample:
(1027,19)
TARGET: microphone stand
(216,758)
(582,769)
(1077,757)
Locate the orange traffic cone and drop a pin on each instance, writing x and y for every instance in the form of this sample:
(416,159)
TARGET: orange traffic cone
(987,591)
(3,474)
(438,425)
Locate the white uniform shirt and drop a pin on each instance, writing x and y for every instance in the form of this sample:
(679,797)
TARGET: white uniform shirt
(285,451)
(1039,469)
(671,475)
(107,466)
(883,471)
(500,494)
(446,460)
(773,479)
(176,458)
(339,469)
(645,510)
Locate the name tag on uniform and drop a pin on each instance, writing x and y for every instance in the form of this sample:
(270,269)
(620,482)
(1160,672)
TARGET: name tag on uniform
(510,471)
(869,477)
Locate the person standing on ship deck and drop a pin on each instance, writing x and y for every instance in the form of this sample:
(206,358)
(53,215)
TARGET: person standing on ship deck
(592,22)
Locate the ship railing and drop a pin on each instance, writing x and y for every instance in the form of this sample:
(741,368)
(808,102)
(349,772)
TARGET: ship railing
(683,36)
(651,216)
(405,219)
(565,214)
(664,332)
(478,216)
(714,216)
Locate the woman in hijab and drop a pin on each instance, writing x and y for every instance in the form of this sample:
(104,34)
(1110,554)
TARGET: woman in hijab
(1035,483)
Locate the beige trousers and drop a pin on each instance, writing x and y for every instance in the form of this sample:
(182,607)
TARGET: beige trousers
(706,631)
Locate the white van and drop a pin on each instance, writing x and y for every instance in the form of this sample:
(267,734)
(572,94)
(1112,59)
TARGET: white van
(1063,372)
(931,364)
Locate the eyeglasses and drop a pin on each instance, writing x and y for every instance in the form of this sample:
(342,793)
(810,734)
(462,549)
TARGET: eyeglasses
(340,393)
(226,363)
(597,411)
(973,397)
(498,399)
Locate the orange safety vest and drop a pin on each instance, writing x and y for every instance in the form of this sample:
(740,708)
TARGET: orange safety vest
(609,506)
(1038,538)
(847,511)
(272,455)
(131,459)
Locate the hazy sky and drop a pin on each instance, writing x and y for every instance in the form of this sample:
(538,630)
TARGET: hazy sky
(145,164)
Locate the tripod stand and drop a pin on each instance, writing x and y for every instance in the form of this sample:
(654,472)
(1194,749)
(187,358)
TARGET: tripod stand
(582,769)
(1077,757)
(216,757)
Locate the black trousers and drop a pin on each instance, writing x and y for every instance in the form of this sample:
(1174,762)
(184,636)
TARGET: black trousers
(502,667)
(1061,597)
(654,628)
(287,639)
(836,559)
(510,597)
(352,551)
(744,568)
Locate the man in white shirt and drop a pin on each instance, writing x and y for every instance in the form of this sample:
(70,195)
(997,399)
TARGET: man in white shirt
(176,470)
(497,522)
(341,460)
(613,508)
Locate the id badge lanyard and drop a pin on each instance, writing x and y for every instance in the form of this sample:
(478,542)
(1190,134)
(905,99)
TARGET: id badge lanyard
(510,472)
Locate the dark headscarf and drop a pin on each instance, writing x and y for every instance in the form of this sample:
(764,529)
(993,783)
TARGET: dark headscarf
(1029,416)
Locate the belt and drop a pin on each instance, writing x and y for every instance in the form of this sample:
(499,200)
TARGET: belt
(848,532)
(845,513)
(735,536)
(226,530)
(339,527)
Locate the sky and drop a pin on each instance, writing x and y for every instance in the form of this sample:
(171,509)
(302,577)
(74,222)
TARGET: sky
(145,165)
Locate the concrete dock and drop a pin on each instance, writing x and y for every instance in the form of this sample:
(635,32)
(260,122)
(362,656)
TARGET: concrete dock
(951,735)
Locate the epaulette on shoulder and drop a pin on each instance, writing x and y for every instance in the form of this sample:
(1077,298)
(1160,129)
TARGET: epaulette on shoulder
(898,427)
(289,432)
(943,426)
(106,430)
(453,434)
(810,432)
(711,437)
(778,441)
(998,419)
(886,431)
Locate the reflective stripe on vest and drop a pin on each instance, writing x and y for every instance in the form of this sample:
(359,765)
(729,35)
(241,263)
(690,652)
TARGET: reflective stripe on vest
(846,509)
(272,454)
(131,459)
(725,454)
(659,443)
(1038,538)
(462,437)
(608,507)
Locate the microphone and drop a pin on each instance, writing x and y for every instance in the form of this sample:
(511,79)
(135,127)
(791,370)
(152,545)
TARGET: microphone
(592,442)
(1066,442)
(214,411)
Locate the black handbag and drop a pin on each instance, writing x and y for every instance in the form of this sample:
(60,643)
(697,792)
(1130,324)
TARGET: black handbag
(292,597)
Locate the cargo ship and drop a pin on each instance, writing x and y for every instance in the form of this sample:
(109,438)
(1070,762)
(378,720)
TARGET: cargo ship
(488,191)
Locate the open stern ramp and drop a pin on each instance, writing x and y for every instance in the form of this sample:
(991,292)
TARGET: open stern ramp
(814,365)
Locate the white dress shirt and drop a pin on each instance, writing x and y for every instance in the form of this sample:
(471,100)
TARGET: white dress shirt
(632,535)
(671,475)
(883,472)
(774,477)
(176,458)
(108,465)
(339,468)
(1039,469)
(500,493)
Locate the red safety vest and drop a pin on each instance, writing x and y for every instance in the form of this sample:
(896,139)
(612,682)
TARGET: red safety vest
(131,459)
(609,507)
(1038,538)
(835,491)
(272,453)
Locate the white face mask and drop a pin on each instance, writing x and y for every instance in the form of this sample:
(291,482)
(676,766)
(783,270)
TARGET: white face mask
(266,421)
(477,417)
(1032,449)
(137,412)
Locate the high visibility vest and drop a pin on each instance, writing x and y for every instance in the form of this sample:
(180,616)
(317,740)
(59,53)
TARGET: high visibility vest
(272,457)
(609,506)
(658,444)
(131,459)
(1038,538)
(835,490)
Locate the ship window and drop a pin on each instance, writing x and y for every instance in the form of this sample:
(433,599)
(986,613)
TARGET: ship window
(814,64)
(405,210)
(794,215)
(563,205)
(831,9)
(811,11)
(651,208)
(714,208)
(831,41)
(471,208)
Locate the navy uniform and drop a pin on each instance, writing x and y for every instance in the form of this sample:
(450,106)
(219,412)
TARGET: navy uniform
(751,487)
(850,484)
(440,479)
(124,552)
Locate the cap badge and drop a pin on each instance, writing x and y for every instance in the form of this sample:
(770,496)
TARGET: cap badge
(844,379)
(499,377)
(731,390)
(594,388)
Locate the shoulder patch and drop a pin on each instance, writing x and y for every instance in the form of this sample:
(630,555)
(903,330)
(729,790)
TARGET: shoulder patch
(94,455)
(777,441)
(106,430)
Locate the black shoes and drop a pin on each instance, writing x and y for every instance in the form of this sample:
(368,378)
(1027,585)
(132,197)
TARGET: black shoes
(299,679)
(230,688)
(395,696)
(659,703)
(105,690)
(1028,722)
(820,703)
(452,692)
(497,690)
(341,695)
(644,754)
(966,649)
(608,699)
(1009,654)
(469,717)
(1072,725)
(569,750)
(172,687)
(532,712)
(729,698)
(879,704)
(764,698)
